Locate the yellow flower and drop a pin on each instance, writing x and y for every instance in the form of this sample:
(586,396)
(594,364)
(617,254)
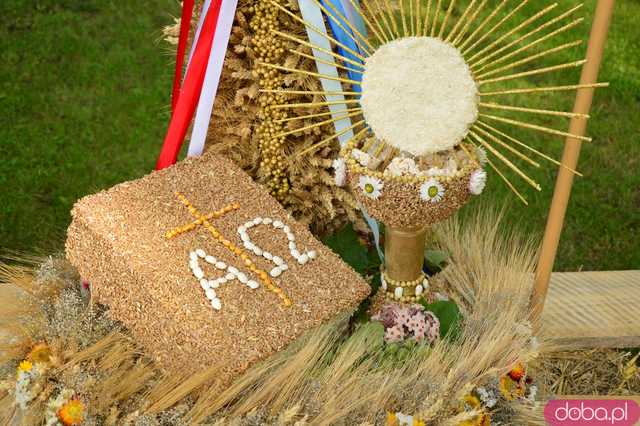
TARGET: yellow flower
(71,412)
(511,389)
(40,353)
(482,419)
(25,366)
(472,401)
(393,419)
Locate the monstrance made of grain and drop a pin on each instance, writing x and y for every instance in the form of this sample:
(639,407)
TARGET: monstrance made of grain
(424,122)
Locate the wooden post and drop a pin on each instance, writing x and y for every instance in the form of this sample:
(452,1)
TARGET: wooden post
(584,98)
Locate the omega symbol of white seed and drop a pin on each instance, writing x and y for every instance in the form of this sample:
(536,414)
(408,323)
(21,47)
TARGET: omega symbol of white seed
(280,264)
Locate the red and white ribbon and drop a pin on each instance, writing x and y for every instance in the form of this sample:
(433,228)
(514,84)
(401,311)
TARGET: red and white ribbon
(185,25)
(201,79)
(212,78)
(203,13)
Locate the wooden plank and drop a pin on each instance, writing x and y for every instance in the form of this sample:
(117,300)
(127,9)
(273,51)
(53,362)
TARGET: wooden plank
(593,309)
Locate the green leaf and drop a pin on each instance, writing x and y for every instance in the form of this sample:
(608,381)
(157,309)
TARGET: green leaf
(362,313)
(346,244)
(435,260)
(449,316)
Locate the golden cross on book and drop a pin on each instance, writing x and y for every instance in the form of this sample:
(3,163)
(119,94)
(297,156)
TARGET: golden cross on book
(234,273)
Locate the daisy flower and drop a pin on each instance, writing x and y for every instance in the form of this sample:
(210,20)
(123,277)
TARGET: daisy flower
(371,186)
(340,171)
(432,191)
(477,182)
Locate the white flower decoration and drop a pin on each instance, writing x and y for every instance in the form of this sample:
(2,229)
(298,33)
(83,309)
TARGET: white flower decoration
(433,171)
(340,171)
(402,166)
(477,182)
(451,168)
(371,186)
(361,157)
(487,396)
(432,191)
(482,155)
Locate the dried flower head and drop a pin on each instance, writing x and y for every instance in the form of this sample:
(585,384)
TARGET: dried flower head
(340,171)
(40,353)
(518,372)
(71,412)
(400,166)
(510,389)
(25,366)
(472,402)
(408,322)
(477,182)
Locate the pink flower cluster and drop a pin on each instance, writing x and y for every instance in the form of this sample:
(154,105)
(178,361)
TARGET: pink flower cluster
(408,322)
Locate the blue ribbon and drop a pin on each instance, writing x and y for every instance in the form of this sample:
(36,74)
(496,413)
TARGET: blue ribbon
(347,38)
(347,11)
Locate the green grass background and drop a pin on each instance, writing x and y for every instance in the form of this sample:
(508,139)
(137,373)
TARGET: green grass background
(84,92)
